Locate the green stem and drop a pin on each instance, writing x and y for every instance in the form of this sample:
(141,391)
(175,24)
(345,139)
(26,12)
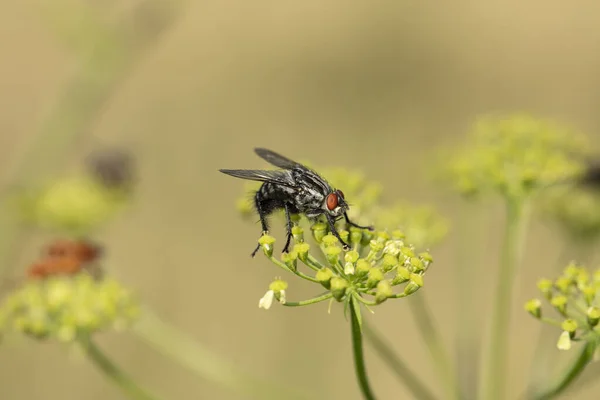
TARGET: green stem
(495,384)
(357,347)
(468,336)
(318,299)
(113,372)
(570,374)
(397,365)
(430,334)
(176,345)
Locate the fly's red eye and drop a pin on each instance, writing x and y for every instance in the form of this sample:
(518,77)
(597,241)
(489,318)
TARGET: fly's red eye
(341,194)
(332,201)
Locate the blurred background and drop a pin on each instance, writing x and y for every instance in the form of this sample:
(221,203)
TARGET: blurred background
(371,85)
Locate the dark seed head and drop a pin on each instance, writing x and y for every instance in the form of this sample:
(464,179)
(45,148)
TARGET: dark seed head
(113,168)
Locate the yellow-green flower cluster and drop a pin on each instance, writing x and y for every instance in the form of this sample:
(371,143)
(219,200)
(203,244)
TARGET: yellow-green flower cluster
(67,308)
(575,297)
(576,210)
(76,205)
(372,270)
(516,155)
(421,223)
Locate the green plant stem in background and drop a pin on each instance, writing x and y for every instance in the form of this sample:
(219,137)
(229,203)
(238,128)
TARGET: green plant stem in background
(397,365)
(113,372)
(570,374)
(182,349)
(357,347)
(468,336)
(496,375)
(81,100)
(430,334)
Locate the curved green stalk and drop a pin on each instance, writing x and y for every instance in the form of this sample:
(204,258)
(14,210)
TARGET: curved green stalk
(357,348)
(397,365)
(109,368)
(184,350)
(570,374)
(323,297)
(435,345)
(496,378)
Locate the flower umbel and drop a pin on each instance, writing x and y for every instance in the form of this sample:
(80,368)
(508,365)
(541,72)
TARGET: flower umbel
(515,155)
(576,210)
(575,297)
(67,308)
(371,271)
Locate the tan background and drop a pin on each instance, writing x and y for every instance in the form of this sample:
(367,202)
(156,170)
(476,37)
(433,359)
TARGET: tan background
(374,85)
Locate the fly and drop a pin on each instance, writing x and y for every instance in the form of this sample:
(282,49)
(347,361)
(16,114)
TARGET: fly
(296,189)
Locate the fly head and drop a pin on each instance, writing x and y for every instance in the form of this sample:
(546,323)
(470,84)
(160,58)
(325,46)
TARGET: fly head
(335,204)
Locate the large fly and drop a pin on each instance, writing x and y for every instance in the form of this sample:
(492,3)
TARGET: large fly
(296,189)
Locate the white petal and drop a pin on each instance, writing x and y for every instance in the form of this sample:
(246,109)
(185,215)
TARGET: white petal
(266,301)
(349,268)
(564,341)
(282,296)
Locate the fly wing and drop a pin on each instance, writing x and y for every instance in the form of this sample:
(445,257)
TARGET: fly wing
(278,177)
(277,159)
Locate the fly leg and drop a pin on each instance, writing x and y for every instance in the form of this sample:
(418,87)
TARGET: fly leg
(288,220)
(356,225)
(262,213)
(334,231)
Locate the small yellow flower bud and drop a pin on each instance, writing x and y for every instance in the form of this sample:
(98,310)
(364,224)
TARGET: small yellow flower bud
(384,290)
(375,275)
(534,307)
(298,234)
(569,325)
(330,240)
(333,255)
(355,235)
(389,262)
(593,316)
(266,242)
(545,286)
(402,275)
(351,256)
(338,287)
(319,230)
(324,276)
(362,268)
(290,259)
(560,303)
(302,250)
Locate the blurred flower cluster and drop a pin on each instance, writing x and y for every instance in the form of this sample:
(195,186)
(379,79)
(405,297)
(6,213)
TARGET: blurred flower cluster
(575,210)
(82,203)
(423,224)
(65,294)
(575,297)
(67,307)
(516,155)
